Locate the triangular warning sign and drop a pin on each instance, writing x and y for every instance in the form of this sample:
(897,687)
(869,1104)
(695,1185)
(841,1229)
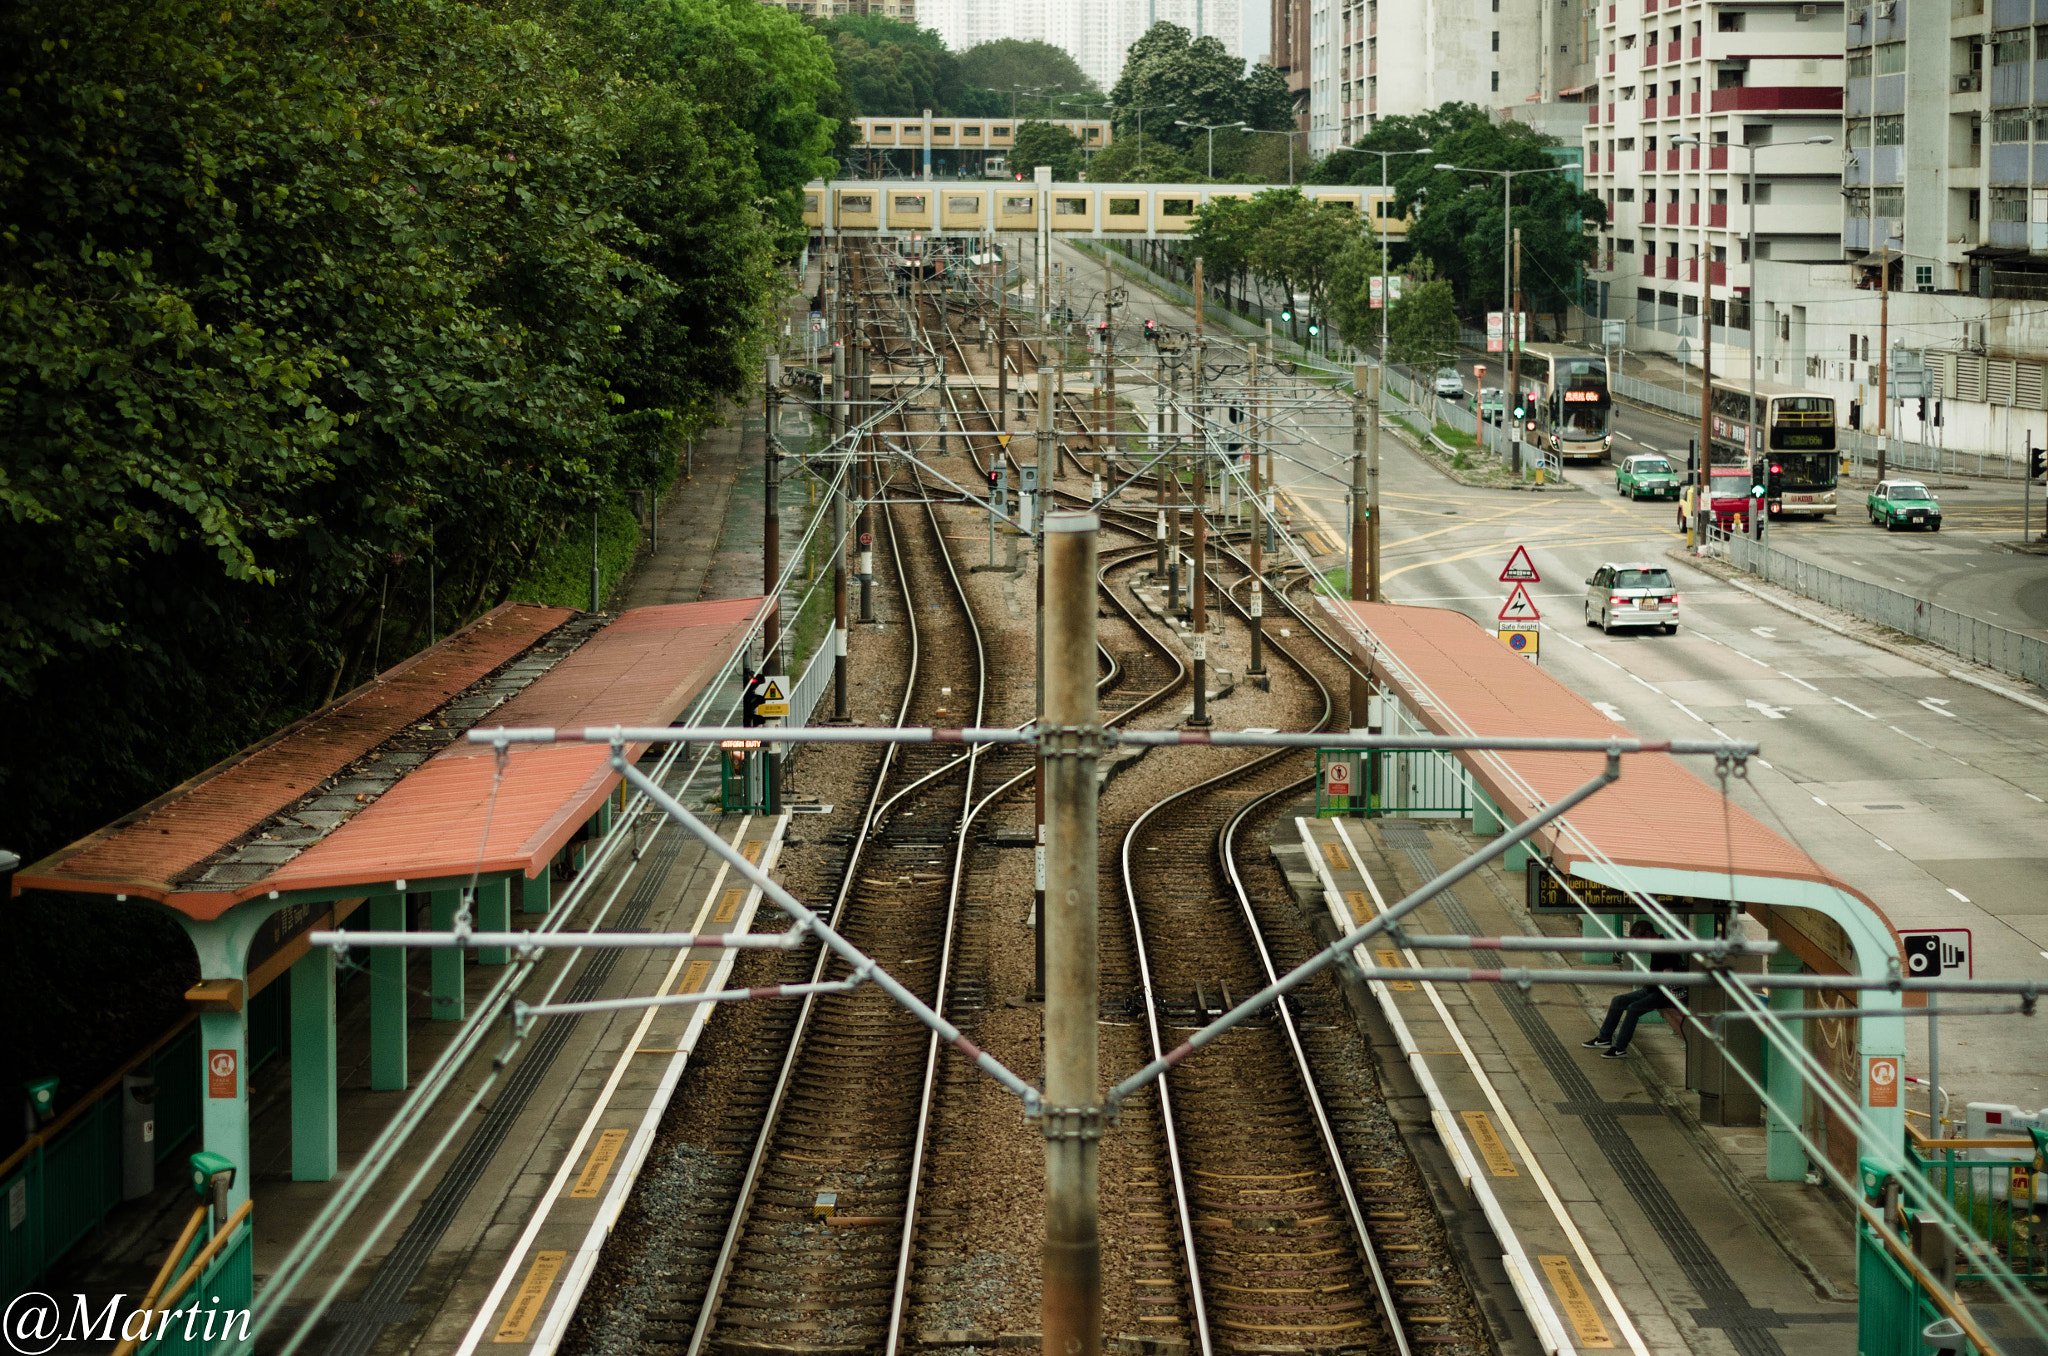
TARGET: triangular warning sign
(1520,568)
(771,691)
(1519,608)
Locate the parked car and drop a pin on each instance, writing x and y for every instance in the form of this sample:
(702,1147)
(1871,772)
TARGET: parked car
(1632,593)
(1646,476)
(1493,406)
(1449,384)
(1903,503)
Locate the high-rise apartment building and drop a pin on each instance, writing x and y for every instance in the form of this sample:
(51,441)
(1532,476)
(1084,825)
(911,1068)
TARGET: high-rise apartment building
(906,10)
(1352,62)
(1689,92)
(1097,33)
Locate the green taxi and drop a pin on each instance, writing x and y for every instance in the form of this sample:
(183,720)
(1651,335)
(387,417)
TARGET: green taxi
(1646,476)
(1903,503)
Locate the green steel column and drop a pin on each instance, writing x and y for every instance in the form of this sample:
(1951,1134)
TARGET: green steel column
(533,893)
(315,1128)
(224,1074)
(1784,1158)
(494,914)
(1592,927)
(1485,816)
(447,962)
(387,998)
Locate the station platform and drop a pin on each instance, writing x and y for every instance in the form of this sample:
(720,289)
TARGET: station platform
(1590,1197)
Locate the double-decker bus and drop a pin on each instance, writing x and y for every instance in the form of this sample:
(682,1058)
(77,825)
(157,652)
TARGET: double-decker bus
(1568,409)
(1794,459)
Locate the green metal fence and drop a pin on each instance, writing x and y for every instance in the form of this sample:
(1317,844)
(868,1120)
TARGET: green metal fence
(223,1292)
(1999,1200)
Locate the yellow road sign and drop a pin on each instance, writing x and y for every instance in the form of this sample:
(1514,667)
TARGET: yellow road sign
(1520,641)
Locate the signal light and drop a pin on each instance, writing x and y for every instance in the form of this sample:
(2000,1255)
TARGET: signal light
(1287,315)
(2037,463)
(1315,327)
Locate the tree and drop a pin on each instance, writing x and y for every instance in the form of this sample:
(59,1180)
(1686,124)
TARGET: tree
(1298,243)
(1012,64)
(1176,75)
(1221,236)
(1121,162)
(1045,143)
(1422,330)
(1352,275)
(1462,225)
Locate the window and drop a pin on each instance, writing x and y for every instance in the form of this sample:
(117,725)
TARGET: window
(2008,204)
(1889,130)
(1002,131)
(1976,204)
(1720,197)
(963,205)
(1626,246)
(908,202)
(1629,144)
(1720,254)
(1763,193)
(1496,39)
(1629,92)
(1496,82)
(1020,207)
(1070,207)
(1126,207)
(1859,66)
(1923,277)
(970,131)
(1891,58)
(1177,207)
(1859,131)
(942,131)
(1889,202)
(2009,125)
(1627,194)
(1731,22)
(882,130)
(857,204)
(1745,251)
(2008,48)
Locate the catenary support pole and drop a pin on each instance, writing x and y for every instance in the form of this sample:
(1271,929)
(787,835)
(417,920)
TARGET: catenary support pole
(1364,405)
(771,516)
(1258,583)
(1108,359)
(1072,1278)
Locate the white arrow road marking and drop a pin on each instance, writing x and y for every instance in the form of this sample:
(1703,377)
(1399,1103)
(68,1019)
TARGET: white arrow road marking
(1770,712)
(1767,632)
(1935,704)
(1608,710)
(1853,707)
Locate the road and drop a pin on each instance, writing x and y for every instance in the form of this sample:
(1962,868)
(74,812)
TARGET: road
(1928,794)
(1965,566)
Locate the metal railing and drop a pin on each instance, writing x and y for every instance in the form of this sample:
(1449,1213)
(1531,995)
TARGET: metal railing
(1983,1193)
(1969,638)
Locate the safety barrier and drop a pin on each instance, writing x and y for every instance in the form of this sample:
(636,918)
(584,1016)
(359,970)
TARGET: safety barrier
(1982,1192)
(1970,638)
(59,1186)
(210,1275)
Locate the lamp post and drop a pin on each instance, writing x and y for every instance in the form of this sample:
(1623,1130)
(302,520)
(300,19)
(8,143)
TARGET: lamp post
(1511,334)
(1140,109)
(1750,151)
(1290,135)
(1386,302)
(1210,128)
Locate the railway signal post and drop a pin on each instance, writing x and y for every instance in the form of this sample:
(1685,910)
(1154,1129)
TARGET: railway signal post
(1071,1293)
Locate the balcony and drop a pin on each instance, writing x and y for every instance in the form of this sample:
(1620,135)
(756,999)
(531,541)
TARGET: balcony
(1649,55)
(1778,98)
(1649,109)
(1610,113)
(1671,269)
(1671,51)
(1692,214)
(1671,105)
(1717,215)
(1671,214)
(1649,6)
(1649,214)
(1717,157)
(1671,159)
(1693,107)
(1718,274)
(1649,160)
(1649,266)
(1694,50)
(1610,63)
(1610,14)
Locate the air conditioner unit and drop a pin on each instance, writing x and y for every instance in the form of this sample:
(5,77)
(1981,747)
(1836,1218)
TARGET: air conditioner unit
(1887,9)
(1808,12)
(1969,83)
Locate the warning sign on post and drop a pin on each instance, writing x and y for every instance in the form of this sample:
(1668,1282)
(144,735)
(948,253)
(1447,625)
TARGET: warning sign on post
(774,700)
(1519,608)
(1520,641)
(222,1066)
(1521,569)
(1336,779)
(1883,1080)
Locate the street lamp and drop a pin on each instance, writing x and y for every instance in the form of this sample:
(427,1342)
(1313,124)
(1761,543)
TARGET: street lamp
(1210,128)
(1511,351)
(1386,302)
(1290,134)
(1139,109)
(1750,150)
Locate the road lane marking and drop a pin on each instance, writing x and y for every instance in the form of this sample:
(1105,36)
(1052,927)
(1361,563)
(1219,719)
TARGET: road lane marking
(1751,658)
(1915,738)
(1801,681)
(1886,846)
(2031,796)
(1767,632)
(1769,712)
(1818,801)
(1959,894)
(1853,707)
(1761,763)
(1935,704)
(1719,731)
(1651,686)
(1688,710)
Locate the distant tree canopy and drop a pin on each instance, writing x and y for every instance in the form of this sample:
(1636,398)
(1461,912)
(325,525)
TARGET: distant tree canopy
(1010,65)
(1176,76)
(296,298)
(1045,143)
(1460,222)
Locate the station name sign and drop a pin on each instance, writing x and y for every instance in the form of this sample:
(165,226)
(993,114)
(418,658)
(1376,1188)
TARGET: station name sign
(1547,894)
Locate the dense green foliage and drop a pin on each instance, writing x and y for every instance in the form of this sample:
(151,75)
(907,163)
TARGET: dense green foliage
(1045,143)
(1423,326)
(296,299)
(1010,65)
(1295,247)
(1461,224)
(888,68)
(1176,77)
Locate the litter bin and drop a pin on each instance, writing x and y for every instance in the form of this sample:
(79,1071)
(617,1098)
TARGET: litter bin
(138,1135)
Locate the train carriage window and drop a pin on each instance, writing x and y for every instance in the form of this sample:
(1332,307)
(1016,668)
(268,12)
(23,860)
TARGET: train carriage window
(942,131)
(881,130)
(1177,207)
(1126,207)
(810,202)
(910,202)
(1017,207)
(963,204)
(1002,131)
(1070,207)
(859,203)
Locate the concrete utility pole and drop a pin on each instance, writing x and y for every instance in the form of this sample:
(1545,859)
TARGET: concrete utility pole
(1513,340)
(1364,412)
(1002,286)
(1706,350)
(1172,472)
(1071,1282)
(1258,664)
(1108,360)
(1198,587)
(1372,483)
(867,479)
(1044,448)
(839,542)
(771,516)
(1884,352)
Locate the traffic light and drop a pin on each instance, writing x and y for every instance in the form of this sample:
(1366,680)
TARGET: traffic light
(1287,315)
(1521,410)
(1152,331)
(2037,463)
(1315,327)
(1856,414)
(750,703)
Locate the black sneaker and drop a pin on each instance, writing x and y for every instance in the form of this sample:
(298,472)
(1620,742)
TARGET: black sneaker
(1614,1054)
(1597,1043)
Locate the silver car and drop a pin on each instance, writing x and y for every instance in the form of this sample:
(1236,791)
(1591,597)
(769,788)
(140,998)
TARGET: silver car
(1632,593)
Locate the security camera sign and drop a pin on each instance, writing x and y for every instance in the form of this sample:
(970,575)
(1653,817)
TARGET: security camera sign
(1931,953)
